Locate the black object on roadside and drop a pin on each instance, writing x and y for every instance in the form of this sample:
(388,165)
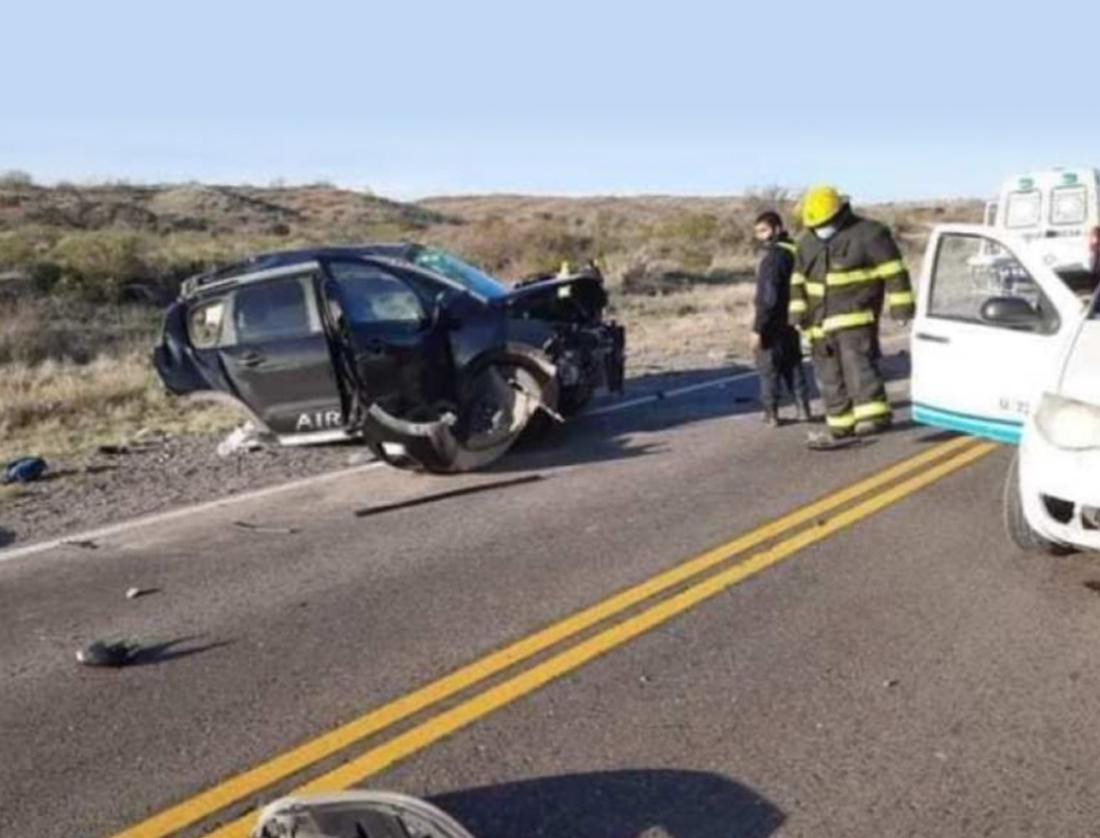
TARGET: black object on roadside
(24,470)
(102,653)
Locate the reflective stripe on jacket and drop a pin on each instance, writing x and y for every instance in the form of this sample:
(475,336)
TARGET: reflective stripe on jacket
(844,282)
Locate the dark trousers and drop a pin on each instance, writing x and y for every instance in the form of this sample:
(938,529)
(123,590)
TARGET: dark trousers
(779,359)
(852,387)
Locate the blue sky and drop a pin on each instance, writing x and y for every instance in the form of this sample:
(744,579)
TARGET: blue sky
(889,100)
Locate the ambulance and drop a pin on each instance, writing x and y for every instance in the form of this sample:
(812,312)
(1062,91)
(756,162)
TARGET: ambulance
(1054,212)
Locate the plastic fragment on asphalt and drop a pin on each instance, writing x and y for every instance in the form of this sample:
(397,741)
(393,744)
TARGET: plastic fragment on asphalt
(24,470)
(248,525)
(244,439)
(102,653)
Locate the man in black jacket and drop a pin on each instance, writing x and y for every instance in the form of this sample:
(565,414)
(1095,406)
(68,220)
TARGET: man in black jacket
(775,342)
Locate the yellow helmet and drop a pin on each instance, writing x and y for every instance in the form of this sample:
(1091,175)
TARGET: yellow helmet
(820,204)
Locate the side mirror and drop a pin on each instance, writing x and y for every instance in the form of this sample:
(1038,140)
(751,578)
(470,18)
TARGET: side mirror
(1012,313)
(355,814)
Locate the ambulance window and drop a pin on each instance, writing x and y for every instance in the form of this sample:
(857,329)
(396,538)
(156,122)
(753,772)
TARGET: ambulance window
(965,277)
(1023,209)
(1068,205)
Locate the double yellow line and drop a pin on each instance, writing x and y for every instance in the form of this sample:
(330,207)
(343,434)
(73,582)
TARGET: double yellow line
(873,494)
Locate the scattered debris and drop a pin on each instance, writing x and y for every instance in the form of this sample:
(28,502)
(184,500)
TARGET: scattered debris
(134,593)
(247,525)
(890,683)
(102,653)
(243,439)
(360,458)
(24,470)
(86,544)
(112,450)
(99,469)
(149,438)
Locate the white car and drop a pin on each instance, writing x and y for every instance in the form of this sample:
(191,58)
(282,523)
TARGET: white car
(1015,357)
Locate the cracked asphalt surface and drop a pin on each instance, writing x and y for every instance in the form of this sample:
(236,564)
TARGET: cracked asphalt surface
(910,675)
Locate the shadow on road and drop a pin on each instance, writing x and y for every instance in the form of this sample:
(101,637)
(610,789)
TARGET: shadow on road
(593,436)
(172,650)
(617,804)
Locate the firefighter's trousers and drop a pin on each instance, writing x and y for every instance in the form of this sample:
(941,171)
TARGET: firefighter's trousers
(850,381)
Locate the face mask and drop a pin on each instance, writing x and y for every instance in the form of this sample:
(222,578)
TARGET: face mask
(825,231)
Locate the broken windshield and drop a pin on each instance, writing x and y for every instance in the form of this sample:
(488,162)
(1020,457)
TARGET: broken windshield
(455,269)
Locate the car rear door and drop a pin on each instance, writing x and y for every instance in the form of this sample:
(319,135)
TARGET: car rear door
(278,357)
(979,359)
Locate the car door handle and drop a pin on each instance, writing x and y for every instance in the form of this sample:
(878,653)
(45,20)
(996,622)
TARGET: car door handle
(252,359)
(932,338)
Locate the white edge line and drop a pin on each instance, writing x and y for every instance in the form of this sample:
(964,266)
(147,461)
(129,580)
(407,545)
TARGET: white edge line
(172,514)
(182,512)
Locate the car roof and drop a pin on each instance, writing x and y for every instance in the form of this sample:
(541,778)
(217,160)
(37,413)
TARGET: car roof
(276,259)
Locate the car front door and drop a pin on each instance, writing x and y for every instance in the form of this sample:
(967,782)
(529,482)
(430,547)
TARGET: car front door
(278,357)
(987,332)
(399,345)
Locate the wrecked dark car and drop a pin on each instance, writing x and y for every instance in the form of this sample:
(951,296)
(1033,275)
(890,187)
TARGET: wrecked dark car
(433,363)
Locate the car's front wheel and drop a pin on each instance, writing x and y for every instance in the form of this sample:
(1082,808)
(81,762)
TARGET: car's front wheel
(1018,529)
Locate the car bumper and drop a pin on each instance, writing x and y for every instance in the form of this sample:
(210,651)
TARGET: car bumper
(1060,491)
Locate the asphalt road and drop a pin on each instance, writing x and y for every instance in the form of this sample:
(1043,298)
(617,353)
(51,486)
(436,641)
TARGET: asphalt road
(662,621)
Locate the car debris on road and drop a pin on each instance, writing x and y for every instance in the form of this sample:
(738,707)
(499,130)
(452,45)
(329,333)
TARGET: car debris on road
(243,439)
(24,470)
(103,653)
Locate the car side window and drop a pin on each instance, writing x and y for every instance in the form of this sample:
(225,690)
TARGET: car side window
(970,270)
(369,295)
(204,324)
(271,310)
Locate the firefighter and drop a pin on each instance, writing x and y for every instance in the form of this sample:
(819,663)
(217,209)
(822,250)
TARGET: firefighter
(845,267)
(775,343)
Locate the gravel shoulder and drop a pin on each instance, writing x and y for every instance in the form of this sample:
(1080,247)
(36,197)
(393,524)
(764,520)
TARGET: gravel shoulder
(116,484)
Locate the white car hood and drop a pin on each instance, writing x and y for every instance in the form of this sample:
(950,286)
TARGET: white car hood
(1081,371)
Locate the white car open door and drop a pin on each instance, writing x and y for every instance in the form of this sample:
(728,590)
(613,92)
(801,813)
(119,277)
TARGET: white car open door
(987,331)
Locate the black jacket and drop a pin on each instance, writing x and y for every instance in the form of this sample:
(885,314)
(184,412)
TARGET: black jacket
(773,287)
(843,283)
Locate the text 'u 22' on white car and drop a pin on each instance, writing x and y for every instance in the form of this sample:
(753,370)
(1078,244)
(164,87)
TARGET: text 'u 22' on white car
(1010,351)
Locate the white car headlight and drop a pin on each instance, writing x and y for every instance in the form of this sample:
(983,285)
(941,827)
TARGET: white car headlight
(1067,423)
